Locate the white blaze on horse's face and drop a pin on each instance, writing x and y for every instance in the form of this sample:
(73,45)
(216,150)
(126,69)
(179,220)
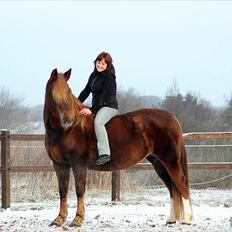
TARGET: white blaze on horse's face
(66,115)
(66,121)
(63,100)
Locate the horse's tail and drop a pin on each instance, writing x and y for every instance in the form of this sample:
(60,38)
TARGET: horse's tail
(183,161)
(177,197)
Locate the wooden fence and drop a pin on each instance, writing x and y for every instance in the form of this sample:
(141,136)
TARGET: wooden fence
(6,167)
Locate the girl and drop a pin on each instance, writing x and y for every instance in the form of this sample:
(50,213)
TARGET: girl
(102,85)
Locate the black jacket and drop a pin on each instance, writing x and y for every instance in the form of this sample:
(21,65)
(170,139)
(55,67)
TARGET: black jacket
(103,87)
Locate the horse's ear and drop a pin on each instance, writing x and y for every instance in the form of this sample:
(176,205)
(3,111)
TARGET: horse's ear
(67,74)
(54,75)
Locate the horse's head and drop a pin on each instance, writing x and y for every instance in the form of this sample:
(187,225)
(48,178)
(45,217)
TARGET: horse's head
(60,100)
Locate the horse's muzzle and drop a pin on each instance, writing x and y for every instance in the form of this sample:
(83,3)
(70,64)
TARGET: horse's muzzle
(66,122)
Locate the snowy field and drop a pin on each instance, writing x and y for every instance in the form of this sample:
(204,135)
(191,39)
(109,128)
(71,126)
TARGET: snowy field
(141,211)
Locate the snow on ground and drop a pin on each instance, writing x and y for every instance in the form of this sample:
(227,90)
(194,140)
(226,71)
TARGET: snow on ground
(141,211)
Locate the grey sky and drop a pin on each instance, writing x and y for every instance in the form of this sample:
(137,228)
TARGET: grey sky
(152,43)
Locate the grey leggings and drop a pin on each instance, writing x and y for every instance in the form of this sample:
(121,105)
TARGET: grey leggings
(102,117)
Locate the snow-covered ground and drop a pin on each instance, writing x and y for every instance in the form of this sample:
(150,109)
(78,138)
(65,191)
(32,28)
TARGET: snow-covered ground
(141,211)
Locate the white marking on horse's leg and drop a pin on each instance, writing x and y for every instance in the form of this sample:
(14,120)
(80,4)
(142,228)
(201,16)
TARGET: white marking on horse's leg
(172,216)
(187,215)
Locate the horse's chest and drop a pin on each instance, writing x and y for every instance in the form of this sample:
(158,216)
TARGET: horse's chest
(57,155)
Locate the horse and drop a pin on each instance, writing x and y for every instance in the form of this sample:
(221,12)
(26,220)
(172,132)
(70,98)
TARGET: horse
(151,134)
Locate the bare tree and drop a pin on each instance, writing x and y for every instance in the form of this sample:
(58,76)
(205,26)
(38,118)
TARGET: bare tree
(173,90)
(194,113)
(13,114)
(36,114)
(129,100)
(226,116)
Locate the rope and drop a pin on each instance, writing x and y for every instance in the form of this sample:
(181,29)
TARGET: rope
(209,145)
(34,146)
(202,183)
(212,181)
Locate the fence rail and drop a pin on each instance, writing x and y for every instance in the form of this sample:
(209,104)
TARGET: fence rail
(6,167)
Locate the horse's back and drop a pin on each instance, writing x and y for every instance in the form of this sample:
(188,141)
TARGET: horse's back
(146,119)
(159,127)
(157,118)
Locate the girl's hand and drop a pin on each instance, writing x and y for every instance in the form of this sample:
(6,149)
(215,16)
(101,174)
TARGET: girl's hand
(85,111)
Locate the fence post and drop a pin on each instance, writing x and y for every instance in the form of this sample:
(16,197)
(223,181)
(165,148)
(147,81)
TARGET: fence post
(5,163)
(115,186)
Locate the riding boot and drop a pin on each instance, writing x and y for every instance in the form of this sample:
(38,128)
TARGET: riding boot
(102,159)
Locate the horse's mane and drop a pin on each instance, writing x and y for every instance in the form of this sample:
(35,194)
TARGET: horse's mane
(62,94)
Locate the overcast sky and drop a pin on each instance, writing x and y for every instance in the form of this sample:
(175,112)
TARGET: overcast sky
(151,42)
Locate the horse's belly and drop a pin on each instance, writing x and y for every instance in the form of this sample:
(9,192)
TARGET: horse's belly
(122,157)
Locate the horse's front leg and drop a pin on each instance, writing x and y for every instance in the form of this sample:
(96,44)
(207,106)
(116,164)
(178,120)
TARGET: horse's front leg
(80,183)
(63,175)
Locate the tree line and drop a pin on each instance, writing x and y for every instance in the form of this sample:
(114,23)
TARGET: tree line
(194,113)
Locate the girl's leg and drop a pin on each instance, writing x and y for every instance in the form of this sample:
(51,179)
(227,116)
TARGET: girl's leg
(102,117)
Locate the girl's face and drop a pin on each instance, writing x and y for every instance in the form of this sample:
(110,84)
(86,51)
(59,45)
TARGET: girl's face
(101,65)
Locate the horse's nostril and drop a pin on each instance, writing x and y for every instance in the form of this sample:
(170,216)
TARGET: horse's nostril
(66,120)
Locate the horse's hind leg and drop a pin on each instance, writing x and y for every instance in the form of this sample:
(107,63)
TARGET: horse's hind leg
(163,174)
(161,171)
(182,187)
(63,175)
(177,169)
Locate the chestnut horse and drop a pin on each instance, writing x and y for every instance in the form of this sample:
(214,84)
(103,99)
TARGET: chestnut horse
(151,134)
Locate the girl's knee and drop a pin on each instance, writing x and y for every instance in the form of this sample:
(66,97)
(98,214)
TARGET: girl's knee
(98,122)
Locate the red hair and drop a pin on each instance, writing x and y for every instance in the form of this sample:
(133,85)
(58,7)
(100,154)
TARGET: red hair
(107,57)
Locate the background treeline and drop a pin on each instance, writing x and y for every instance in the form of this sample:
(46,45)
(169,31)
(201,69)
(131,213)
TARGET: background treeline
(194,113)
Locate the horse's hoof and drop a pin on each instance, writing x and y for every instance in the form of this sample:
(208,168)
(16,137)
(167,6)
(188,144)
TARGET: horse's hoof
(58,221)
(169,222)
(185,222)
(76,222)
(54,223)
